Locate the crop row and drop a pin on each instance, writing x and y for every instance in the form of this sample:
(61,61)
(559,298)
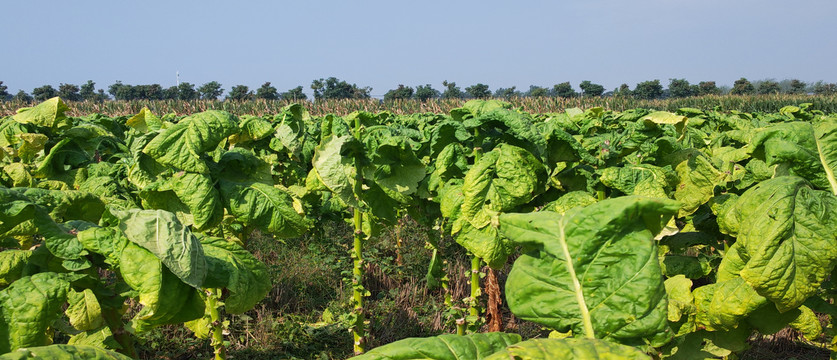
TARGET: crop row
(536,105)
(636,233)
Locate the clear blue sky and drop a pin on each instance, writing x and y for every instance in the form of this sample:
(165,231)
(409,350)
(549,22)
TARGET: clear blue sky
(385,43)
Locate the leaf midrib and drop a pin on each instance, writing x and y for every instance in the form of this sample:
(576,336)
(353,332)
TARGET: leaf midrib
(579,294)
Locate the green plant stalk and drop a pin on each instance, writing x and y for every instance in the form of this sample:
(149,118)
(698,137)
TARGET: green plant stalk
(399,258)
(475,286)
(113,318)
(358,330)
(445,280)
(216,322)
(461,326)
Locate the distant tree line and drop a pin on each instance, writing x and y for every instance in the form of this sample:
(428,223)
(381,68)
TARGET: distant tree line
(333,88)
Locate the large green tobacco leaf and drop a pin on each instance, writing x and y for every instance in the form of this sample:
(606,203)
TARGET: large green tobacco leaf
(681,308)
(251,128)
(802,149)
(183,145)
(9,131)
(452,163)
(570,200)
(49,114)
(19,216)
(145,121)
(162,234)
(561,146)
(13,265)
(502,179)
(642,179)
(450,199)
(291,130)
(394,167)
(697,183)
(442,347)
(263,206)
(28,307)
(569,349)
(165,298)
(659,118)
(84,311)
(786,232)
(485,243)
(722,305)
(445,134)
(335,168)
(64,156)
(198,193)
(65,205)
(192,196)
(826,137)
(64,352)
(593,270)
(101,338)
(31,146)
(235,269)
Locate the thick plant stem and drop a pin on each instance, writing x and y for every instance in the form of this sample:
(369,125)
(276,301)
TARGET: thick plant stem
(113,318)
(358,330)
(475,286)
(217,324)
(445,279)
(399,259)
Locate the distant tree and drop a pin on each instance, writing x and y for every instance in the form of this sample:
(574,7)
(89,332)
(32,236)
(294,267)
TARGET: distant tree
(240,93)
(679,88)
(400,93)
(69,92)
(267,92)
(798,87)
(742,86)
(170,93)
(478,91)
(294,94)
(537,91)
(121,91)
(564,90)
(149,92)
(210,91)
(88,91)
(648,90)
(44,93)
(590,89)
(622,91)
(506,92)
(823,88)
(186,91)
(708,88)
(768,87)
(452,91)
(22,96)
(4,95)
(425,92)
(334,88)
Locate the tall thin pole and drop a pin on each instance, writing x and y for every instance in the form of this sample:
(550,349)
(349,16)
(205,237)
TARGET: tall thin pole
(178,78)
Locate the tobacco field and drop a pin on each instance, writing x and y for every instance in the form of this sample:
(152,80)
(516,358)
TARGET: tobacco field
(637,234)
